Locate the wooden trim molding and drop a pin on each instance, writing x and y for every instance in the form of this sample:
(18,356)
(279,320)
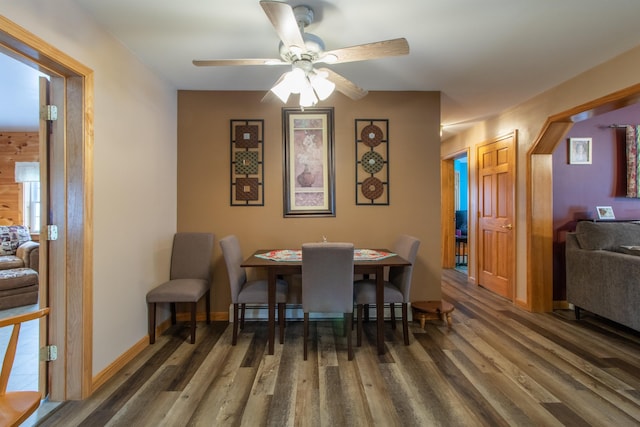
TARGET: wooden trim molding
(447,214)
(71,257)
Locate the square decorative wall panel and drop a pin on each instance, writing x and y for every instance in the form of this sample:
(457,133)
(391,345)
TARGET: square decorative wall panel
(247,163)
(372,162)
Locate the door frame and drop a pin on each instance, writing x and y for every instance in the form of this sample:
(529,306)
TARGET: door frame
(447,212)
(70,258)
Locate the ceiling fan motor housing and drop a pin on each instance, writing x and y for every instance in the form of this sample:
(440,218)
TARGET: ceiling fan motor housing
(314,47)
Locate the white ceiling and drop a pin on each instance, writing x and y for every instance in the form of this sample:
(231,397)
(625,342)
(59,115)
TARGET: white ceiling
(484,56)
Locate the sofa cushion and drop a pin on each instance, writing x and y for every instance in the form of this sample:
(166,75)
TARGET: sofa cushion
(8,262)
(17,278)
(12,236)
(607,235)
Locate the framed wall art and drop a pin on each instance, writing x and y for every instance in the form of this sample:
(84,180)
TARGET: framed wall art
(308,162)
(372,161)
(580,151)
(247,165)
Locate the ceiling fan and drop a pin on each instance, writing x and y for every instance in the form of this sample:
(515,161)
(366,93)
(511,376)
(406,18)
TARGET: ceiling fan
(303,50)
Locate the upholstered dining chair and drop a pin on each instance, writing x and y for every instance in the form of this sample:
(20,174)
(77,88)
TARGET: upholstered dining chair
(327,284)
(189,280)
(245,291)
(396,289)
(16,406)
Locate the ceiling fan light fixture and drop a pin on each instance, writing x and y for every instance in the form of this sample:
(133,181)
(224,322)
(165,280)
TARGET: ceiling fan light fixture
(321,85)
(290,83)
(307,96)
(296,79)
(281,90)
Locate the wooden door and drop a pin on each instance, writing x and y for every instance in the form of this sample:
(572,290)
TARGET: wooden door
(43,282)
(496,242)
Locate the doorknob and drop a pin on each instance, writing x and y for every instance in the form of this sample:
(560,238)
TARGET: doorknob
(508,226)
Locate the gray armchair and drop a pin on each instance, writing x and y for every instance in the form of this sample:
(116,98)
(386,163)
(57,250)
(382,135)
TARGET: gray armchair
(248,292)
(396,289)
(327,284)
(190,279)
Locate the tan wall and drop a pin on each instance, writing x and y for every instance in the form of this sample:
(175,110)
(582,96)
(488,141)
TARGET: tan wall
(14,147)
(414,151)
(528,119)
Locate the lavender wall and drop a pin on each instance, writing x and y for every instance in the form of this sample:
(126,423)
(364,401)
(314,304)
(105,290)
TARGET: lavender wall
(578,189)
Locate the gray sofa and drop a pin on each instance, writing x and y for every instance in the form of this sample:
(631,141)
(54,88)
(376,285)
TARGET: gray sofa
(603,270)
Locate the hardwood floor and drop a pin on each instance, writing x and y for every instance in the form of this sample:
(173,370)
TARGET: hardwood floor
(497,366)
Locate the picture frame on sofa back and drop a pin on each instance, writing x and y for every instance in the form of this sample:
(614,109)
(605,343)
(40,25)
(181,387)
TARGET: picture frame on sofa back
(603,270)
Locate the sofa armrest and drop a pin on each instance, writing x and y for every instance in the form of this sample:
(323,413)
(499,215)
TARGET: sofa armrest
(605,283)
(29,252)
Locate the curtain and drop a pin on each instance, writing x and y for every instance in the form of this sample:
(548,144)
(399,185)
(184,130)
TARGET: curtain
(27,171)
(633,162)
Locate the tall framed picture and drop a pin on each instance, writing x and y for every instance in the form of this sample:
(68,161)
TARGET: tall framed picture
(580,151)
(308,162)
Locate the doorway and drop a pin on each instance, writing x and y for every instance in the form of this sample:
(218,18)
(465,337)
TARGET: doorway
(454,176)
(461,212)
(70,272)
(20,196)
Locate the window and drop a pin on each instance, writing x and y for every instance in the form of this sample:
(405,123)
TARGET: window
(28,174)
(31,198)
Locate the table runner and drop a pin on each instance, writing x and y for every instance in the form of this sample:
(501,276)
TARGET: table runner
(296,255)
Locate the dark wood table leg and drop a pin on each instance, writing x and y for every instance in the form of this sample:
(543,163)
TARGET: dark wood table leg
(271,307)
(380,308)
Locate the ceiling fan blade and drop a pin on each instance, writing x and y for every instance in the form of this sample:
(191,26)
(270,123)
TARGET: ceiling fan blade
(345,86)
(284,21)
(248,61)
(394,47)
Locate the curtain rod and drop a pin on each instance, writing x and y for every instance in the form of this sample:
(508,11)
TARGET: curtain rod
(618,126)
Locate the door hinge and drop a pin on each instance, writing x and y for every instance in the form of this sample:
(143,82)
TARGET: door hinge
(49,112)
(52,232)
(49,353)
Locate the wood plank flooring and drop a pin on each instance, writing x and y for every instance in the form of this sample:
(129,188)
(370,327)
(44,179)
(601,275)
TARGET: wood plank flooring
(497,366)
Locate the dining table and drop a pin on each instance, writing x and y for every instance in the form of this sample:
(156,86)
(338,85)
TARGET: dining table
(282,262)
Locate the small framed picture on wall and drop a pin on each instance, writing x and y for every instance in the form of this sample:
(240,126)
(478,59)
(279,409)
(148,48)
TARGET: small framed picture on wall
(580,151)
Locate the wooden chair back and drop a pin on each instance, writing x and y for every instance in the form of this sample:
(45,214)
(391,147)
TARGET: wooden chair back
(16,406)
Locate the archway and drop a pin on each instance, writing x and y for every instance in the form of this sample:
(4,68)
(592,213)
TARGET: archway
(540,189)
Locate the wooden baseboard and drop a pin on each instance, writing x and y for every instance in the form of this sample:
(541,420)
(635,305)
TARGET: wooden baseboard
(562,305)
(522,304)
(201,317)
(107,373)
(294,312)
